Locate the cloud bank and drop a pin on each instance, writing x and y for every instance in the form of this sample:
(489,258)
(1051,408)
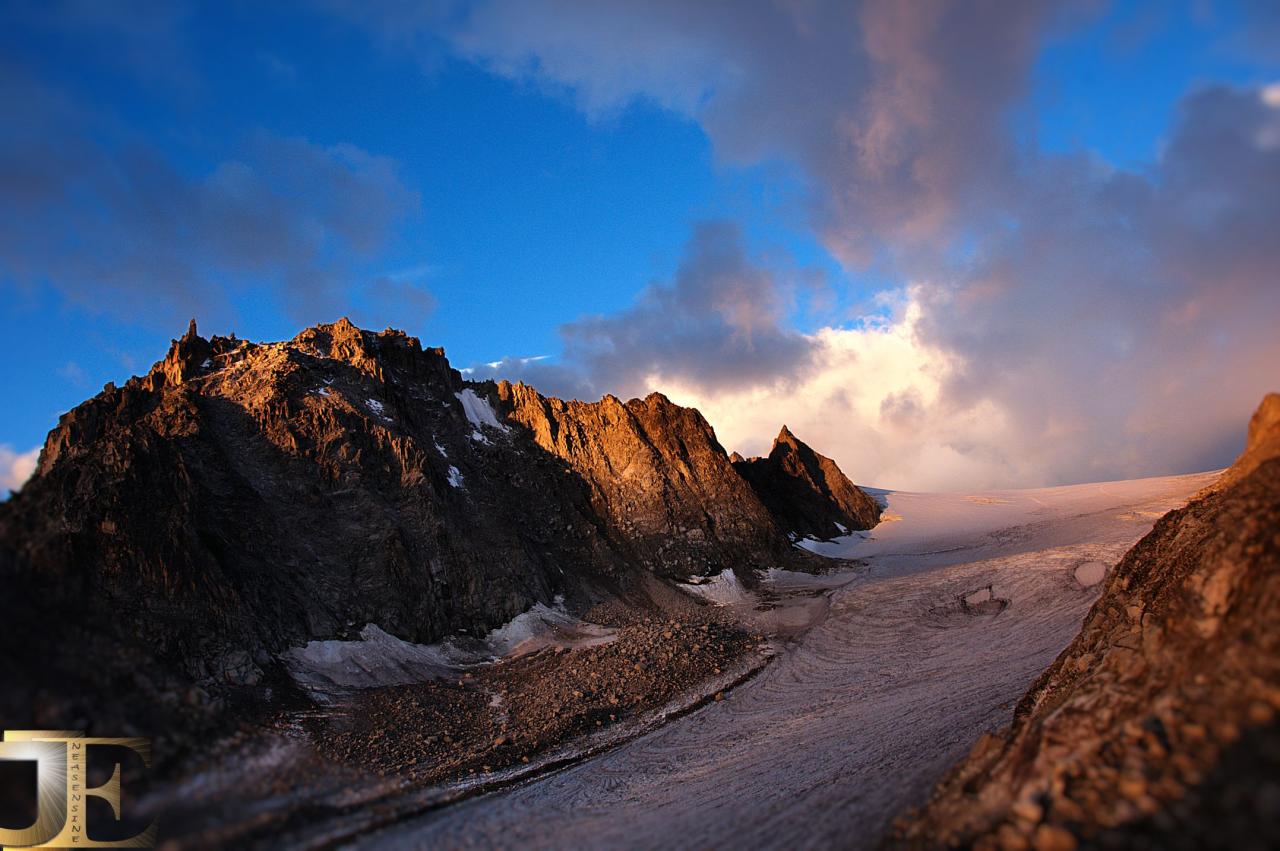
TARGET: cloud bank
(1060,319)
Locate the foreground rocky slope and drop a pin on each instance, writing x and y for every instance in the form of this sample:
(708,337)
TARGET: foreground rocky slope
(806,491)
(239,499)
(1156,727)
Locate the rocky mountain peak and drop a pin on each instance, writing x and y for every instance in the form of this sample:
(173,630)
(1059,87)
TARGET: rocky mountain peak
(1264,427)
(1266,420)
(807,491)
(184,358)
(657,472)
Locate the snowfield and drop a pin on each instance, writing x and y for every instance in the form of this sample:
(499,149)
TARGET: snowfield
(478,411)
(967,598)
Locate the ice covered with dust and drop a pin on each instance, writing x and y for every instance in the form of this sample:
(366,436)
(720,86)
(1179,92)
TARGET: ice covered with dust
(544,626)
(723,589)
(379,659)
(478,410)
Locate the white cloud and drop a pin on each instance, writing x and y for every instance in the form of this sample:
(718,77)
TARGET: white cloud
(872,401)
(16,467)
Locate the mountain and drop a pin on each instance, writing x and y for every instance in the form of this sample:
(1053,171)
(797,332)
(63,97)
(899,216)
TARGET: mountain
(241,498)
(1157,727)
(658,476)
(805,491)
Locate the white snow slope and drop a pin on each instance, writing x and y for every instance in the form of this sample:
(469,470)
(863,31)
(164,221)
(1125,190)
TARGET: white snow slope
(478,411)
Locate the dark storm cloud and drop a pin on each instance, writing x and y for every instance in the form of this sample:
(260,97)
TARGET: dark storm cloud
(897,111)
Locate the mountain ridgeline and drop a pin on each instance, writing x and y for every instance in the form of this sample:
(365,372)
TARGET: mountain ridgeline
(241,498)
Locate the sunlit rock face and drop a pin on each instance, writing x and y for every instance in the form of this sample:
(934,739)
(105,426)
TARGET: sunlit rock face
(805,491)
(243,498)
(658,476)
(1157,726)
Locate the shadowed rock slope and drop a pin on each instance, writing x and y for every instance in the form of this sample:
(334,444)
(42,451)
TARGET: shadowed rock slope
(1156,727)
(806,492)
(243,498)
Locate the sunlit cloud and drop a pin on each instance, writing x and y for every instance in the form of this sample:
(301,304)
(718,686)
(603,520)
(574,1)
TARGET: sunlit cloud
(16,467)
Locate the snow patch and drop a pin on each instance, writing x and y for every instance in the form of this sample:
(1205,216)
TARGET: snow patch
(478,410)
(544,626)
(440,449)
(723,589)
(833,548)
(455,477)
(378,659)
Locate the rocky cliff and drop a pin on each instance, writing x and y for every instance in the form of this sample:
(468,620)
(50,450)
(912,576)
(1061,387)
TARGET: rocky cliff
(658,475)
(243,498)
(1156,727)
(806,492)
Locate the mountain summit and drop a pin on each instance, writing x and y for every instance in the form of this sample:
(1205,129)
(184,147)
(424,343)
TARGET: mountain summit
(806,491)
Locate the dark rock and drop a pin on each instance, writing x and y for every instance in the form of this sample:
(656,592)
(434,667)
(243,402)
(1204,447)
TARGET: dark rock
(806,492)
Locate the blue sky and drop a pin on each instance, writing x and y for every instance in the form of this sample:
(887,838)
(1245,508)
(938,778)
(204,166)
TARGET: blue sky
(531,213)
(502,204)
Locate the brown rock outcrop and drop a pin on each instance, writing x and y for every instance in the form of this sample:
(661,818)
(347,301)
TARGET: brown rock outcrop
(1156,727)
(1262,443)
(806,493)
(659,476)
